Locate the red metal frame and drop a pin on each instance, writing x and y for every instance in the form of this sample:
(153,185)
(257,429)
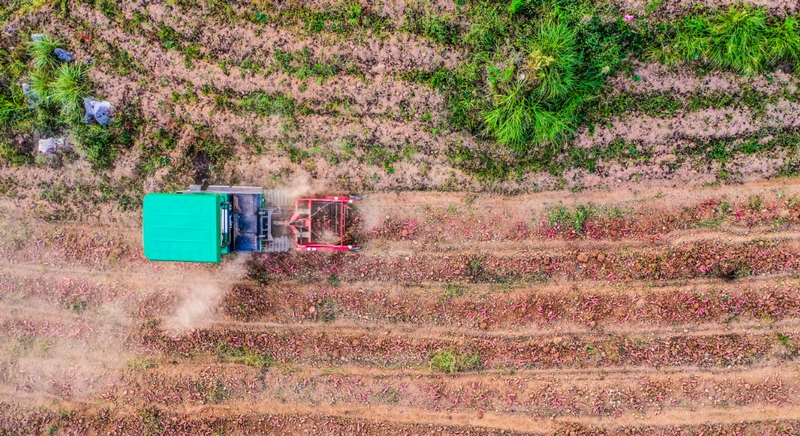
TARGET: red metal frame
(305,241)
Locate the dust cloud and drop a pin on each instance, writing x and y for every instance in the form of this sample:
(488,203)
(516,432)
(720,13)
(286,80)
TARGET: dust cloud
(303,186)
(371,214)
(197,308)
(70,355)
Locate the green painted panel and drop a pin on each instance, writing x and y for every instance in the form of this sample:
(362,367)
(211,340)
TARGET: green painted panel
(182,227)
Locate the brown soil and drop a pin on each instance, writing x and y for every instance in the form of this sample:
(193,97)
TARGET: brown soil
(645,322)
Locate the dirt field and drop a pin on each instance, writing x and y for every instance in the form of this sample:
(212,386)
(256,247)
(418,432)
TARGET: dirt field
(654,323)
(650,291)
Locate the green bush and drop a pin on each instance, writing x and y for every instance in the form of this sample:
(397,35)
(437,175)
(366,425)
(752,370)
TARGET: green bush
(743,39)
(68,89)
(268,104)
(12,155)
(244,355)
(560,216)
(552,61)
(450,361)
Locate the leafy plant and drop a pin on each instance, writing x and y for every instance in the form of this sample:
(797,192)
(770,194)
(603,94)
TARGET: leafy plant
(268,104)
(450,361)
(42,53)
(560,216)
(244,355)
(70,86)
(742,38)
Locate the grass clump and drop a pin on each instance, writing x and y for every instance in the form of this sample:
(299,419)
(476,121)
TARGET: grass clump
(269,104)
(245,356)
(743,39)
(68,89)
(42,54)
(452,290)
(450,361)
(534,66)
(561,217)
(438,28)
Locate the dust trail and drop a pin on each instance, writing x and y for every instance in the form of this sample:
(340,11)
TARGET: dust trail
(197,307)
(74,354)
(371,214)
(304,186)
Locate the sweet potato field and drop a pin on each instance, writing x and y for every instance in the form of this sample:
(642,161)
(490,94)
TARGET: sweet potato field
(578,218)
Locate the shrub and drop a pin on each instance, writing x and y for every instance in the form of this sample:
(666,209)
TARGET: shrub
(742,39)
(70,86)
(552,60)
(244,355)
(451,362)
(42,54)
(268,104)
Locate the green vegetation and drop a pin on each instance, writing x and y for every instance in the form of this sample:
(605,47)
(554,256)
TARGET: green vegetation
(268,104)
(326,310)
(302,65)
(344,18)
(68,89)
(244,355)
(452,290)
(721,212)
(533,69)
(537,72)
(438,28)
(533,72)
(560,216)
(450,361)
(742,39)
(55,106)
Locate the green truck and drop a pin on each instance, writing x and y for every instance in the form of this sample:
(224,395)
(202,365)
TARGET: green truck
(203,223)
